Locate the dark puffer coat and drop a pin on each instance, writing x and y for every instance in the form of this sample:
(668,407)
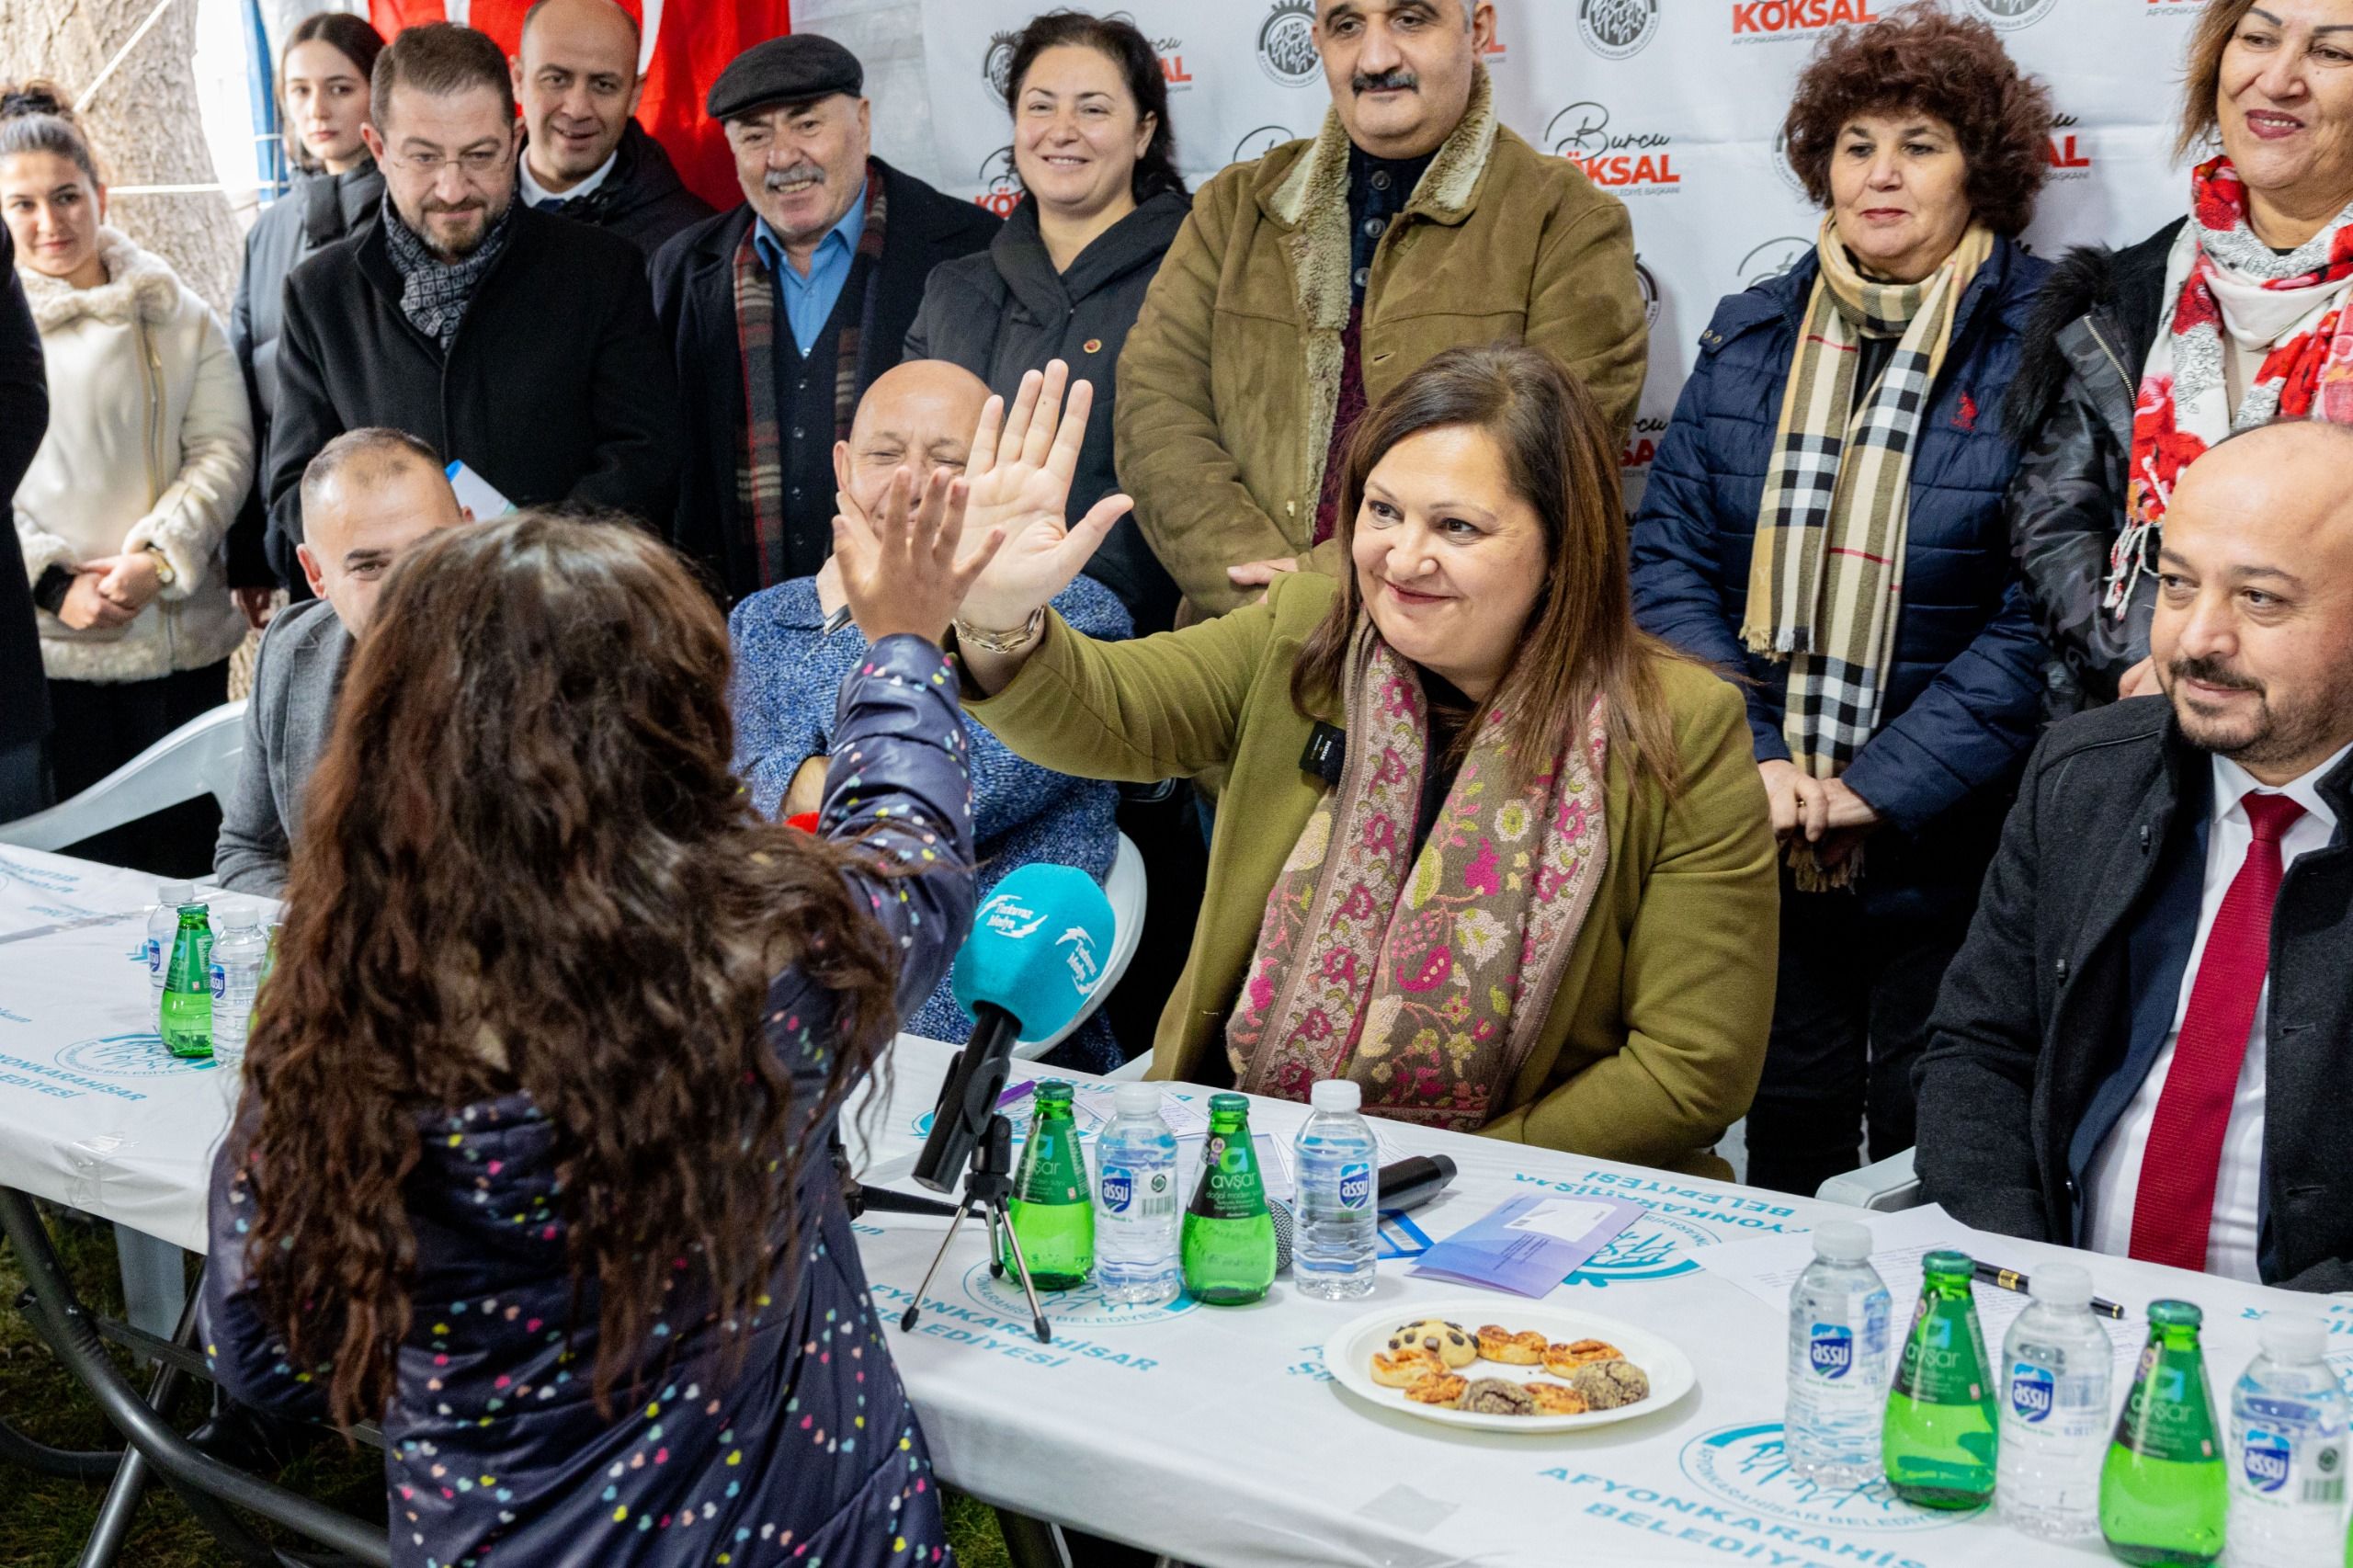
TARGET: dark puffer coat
(2072,411)
(495,1453)
(1964,697)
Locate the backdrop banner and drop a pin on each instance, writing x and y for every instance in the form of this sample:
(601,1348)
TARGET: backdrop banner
(1674,108)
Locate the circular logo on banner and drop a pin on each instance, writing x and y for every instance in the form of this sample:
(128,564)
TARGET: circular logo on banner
(1773,258)
(1743,1465)
(2009,16)
(1000,184)
(996,65)
(133,1056)
(1648,283)
(1286,44)
(1256,144)
(1781,166)
(1083,1307)
(1617,28)
(1654,1248)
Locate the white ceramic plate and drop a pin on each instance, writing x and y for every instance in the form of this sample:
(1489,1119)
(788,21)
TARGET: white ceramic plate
(1348,1355)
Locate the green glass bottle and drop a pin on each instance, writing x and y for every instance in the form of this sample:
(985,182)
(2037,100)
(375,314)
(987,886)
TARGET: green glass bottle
(1938,1439)
(185,1021)
(1053,1212)
(2164,1490)
(1229,1238)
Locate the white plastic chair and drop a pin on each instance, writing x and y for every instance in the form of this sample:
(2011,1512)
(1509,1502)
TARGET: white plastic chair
(1886,1186)
(199,758)
(1125,888)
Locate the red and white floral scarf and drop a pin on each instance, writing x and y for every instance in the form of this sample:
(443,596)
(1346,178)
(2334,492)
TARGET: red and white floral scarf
(2221,279)
(1425,978)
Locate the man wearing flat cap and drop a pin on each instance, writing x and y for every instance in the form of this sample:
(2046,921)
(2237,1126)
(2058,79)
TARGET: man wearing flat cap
(784,311)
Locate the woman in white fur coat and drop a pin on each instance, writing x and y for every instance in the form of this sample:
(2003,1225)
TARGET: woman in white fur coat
(149,452)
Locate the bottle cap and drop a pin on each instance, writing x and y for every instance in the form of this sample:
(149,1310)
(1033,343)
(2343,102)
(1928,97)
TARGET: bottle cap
(2063,1285)
(1337,1094)
(2175,1315)
(1842,1241)
(176,893)
(1229,1104)
(1057,1089)
(1136,1099)
(1947,1263)
(2292,1337)
(241,917)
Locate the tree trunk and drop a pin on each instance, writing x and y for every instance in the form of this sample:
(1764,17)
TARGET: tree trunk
(144,124)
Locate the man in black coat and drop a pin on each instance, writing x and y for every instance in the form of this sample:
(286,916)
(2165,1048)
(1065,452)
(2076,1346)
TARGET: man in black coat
(587,159)
(783,312)
(24,687)
(2144,1046)
(522,345)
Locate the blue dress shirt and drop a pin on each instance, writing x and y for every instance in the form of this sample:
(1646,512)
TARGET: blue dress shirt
(809,301)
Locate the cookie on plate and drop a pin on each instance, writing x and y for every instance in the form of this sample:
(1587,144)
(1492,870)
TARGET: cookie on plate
(1506,1348)
(1497,1396)
(1404,1368)
(1609,1384)
(1563,1359)
(1442,1389)
(1554,1398)
(1450,1341)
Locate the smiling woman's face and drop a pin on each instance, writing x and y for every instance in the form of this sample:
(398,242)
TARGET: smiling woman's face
(2284,105)
(1450,557)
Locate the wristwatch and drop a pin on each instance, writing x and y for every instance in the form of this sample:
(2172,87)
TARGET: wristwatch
(164,576)
(49,592)
(1004,642)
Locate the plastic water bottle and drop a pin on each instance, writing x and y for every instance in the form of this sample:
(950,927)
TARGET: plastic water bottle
(2055,1366)
(2288,1452)
(162,925)
(1838,1359)
(238,955)
(1339,1219)
(1136,1207)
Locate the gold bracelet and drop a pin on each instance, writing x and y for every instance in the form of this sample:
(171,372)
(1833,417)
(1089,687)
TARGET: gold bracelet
(1003,641)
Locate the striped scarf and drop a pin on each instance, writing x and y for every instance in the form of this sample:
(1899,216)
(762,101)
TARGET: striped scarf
(1826,585)
(759,449)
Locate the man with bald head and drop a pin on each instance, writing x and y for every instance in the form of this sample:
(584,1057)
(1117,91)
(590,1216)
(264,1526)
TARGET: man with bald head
(2144,1046)
(368,498)
(918,417)
(587,158)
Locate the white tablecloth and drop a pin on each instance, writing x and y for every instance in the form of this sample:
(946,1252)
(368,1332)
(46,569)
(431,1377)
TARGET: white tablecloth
(1212,1433)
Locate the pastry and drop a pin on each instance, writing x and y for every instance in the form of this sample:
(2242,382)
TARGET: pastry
(1450,1341)
(1552,1399)
(1609,1384)
(1497,1396)
(1509,1350)
(1404,1368)
(1439,1387)
(1561,1359)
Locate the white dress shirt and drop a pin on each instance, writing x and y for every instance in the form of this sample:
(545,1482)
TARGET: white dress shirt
(537,195)
(2114,1179)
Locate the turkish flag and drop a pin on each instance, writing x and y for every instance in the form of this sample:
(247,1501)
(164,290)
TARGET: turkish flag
(686,48)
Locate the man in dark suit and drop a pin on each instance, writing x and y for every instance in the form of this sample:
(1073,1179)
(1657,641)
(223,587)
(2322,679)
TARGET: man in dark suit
(24,687)
(521,344)
(2144,1046)
(783,312)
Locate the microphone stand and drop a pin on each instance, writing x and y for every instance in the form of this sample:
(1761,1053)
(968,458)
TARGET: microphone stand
(988,1189)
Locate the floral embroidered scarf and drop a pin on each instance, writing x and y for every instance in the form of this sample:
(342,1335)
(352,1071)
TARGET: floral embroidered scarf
(1425,978)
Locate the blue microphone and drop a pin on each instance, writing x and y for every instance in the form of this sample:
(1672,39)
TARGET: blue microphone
(1034,957)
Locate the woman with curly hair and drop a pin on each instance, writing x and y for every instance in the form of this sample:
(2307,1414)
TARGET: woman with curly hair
(531,1165)
(2137,360)
(1825,519)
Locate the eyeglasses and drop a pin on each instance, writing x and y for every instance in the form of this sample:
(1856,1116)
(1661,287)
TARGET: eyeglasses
(474,163)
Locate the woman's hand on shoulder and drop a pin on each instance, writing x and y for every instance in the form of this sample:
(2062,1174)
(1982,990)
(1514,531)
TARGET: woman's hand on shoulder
(1022,463)
(903,572)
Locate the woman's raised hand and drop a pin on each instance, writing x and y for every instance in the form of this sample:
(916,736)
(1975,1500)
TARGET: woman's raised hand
(901,570)
(1020,471)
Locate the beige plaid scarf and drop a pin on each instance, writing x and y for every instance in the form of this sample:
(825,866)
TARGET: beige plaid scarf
(1826,585)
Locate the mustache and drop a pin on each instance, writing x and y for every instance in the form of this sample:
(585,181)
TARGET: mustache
(1385,81)
(472,204)
(2209,671)
(778,180)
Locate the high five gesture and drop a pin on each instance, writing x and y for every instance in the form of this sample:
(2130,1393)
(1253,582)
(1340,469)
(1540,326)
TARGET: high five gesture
(1019,474)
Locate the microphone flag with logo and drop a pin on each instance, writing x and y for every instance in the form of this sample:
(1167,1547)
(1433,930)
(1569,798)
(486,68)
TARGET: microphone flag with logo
(1037,949)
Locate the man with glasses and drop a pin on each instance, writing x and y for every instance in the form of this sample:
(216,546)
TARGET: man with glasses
(515,342)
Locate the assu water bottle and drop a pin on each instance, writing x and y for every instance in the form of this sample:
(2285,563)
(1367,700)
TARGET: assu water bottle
(238,955)
(1136,1205)
(2288,1452)
(1838,1351)
(162,925)
(1339,1219)
(2055,1368)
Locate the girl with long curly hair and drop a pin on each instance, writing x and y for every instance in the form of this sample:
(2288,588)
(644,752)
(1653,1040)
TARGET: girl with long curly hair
(532,1162)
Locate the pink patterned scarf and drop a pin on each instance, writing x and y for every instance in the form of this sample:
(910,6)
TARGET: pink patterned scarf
(1427,980)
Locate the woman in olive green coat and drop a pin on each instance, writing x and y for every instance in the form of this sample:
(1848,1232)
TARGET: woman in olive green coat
(1483,846)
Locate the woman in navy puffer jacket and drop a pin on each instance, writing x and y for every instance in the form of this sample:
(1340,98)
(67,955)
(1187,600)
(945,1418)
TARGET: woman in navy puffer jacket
(1824,522)
(532,1164)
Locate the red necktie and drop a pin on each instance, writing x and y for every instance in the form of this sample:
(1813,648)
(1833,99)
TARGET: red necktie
(2175,1204)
